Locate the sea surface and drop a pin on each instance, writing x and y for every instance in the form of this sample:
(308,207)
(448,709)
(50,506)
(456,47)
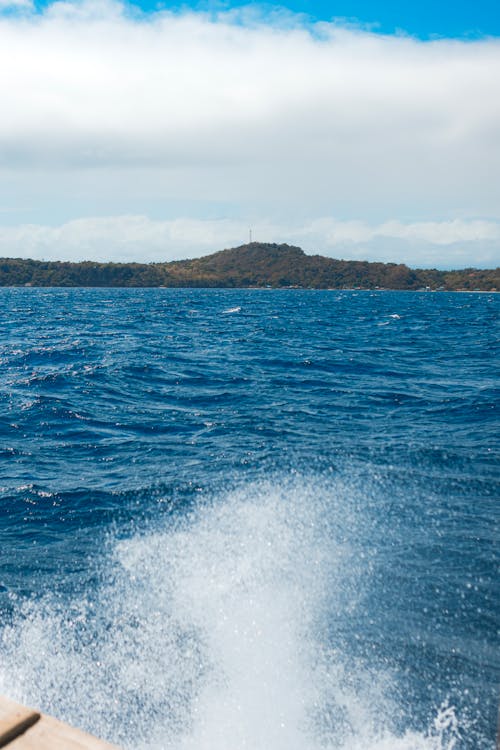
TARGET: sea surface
(252,519)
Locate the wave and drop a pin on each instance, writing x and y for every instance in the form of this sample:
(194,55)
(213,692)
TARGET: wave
(231,310)
(227,626)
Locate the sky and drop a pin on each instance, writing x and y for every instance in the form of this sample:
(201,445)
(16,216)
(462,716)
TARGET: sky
(149,131)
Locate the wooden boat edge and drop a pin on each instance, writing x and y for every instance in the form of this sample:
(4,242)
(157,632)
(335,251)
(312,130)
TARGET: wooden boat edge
(23,728)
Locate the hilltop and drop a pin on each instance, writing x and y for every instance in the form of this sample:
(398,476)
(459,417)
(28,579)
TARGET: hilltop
(256,264)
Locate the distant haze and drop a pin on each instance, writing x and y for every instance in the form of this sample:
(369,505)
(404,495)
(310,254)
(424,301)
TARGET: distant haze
(169,135)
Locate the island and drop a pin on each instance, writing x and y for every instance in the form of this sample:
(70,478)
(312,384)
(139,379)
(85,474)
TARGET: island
(256,264)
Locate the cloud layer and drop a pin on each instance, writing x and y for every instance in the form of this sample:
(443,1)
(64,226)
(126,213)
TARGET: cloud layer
(245,118)
(136,238)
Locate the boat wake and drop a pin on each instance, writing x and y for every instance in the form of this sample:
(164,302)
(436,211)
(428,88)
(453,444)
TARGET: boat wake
(224,628)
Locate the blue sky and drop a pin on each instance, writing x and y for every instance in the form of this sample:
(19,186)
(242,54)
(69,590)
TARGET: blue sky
(151,132)
(423,18)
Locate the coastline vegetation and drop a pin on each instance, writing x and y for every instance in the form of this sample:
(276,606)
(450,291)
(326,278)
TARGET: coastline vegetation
(253,265)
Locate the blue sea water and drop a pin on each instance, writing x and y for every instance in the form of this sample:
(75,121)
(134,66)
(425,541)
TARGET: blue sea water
(255,519)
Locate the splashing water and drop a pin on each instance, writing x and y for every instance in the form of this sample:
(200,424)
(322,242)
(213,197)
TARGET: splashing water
(211,633)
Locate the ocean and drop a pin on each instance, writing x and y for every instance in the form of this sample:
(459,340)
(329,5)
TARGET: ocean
(252,519)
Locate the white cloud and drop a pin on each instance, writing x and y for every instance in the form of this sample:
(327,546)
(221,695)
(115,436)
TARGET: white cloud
(138,238)
(107,113)
(433,232)
(16,4)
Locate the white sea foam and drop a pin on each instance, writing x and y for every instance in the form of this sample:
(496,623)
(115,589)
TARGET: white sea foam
(209,634)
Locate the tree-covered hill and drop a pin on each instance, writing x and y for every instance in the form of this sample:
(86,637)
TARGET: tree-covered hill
(252,265)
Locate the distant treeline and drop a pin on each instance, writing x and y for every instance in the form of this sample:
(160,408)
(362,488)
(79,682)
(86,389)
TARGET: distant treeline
(253,265)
